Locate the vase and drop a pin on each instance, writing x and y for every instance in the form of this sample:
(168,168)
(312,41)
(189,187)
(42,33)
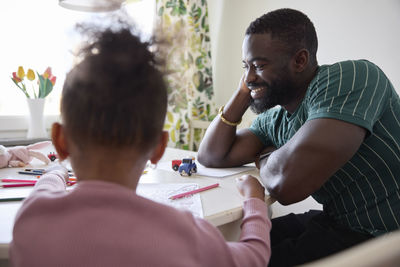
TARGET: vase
(36,120)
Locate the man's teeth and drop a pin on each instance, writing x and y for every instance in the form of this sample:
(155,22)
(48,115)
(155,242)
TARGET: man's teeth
(257,90)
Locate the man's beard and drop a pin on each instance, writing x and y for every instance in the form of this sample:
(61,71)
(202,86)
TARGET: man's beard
(279,92)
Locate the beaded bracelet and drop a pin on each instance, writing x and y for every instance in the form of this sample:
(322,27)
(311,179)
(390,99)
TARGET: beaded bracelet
(221,109)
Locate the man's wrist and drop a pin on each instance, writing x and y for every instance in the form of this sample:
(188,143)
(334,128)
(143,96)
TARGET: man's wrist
(234,110)
(226,121)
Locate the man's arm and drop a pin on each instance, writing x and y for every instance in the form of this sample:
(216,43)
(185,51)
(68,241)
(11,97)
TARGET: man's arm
(318,149)
(222,145)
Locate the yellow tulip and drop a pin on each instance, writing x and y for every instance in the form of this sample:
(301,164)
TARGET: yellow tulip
(21,72)
(30,75)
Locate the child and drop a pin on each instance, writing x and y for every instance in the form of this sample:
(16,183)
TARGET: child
(113,109)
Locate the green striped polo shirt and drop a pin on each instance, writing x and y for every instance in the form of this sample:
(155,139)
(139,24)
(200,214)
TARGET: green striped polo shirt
(364,193)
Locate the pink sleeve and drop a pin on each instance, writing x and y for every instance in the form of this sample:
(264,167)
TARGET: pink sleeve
(51,181)
(253,249)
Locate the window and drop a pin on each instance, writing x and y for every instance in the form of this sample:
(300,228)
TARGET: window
(38,34)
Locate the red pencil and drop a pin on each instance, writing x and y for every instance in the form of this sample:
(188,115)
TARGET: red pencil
(194,191)
(16,185)
(8,180)
(21,183)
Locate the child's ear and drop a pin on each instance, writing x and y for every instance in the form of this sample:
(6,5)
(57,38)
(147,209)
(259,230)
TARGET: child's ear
(59,141)
(159,150)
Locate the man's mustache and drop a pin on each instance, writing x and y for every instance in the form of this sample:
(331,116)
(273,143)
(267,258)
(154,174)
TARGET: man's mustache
(256,85)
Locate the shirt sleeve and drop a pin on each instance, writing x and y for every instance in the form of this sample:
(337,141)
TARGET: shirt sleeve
(52,181)
(48,184)
(263,126)
(352,91)
(253,248)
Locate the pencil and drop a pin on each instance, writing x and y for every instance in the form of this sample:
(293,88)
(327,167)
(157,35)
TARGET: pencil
(38,173)
(16,185)
(24,183)
(194,191)
(40,170)
(7,180)
(30,173)
(35,171)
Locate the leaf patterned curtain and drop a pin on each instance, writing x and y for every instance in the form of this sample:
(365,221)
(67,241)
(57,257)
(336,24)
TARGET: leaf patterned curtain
(190,88)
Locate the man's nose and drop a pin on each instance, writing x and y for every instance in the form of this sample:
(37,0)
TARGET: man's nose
(250,75)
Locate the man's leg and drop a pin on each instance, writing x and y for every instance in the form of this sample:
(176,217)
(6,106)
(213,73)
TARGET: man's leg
(290,226)
(301,238)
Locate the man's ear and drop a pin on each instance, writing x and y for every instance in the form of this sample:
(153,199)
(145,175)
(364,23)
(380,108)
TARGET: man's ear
(59,140)
(301,59)
(159,150)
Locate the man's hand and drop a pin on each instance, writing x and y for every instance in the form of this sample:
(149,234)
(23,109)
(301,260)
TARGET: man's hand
(250,187)
(242,85)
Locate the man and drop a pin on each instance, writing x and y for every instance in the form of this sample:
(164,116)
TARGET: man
(335,135)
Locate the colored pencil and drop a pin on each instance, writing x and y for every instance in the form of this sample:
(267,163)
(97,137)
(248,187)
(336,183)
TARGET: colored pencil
(7,180)
(30,173)
(31,183)
(194,191)
(39,170)
(16,185)
(38,173)
(35,170)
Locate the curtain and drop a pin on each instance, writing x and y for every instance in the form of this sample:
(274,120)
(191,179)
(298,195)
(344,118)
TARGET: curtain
(184,24)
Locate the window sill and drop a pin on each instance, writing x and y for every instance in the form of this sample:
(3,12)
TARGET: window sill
(21,142)
(13,129)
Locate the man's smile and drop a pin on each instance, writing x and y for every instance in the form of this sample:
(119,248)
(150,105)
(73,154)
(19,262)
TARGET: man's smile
(257,92)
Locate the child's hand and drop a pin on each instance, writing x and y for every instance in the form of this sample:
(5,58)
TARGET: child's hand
(249,187)
(58,170)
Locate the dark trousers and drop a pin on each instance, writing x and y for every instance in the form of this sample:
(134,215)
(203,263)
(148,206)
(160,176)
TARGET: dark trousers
(301,238)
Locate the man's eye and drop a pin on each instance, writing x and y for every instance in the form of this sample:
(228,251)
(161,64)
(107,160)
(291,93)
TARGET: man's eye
(245,67)
(259,67)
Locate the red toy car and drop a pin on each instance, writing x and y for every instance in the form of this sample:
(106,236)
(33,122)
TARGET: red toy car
(176,163)
(52,156)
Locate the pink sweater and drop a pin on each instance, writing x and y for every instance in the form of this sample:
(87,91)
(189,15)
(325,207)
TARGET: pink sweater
(105,224)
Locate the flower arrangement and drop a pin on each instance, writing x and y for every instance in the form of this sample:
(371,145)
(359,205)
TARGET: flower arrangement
(45,81)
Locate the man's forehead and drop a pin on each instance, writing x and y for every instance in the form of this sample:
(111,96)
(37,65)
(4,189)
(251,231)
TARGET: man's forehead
(256,46)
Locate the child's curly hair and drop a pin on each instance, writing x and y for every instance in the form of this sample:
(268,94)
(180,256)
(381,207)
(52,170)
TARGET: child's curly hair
(116,95)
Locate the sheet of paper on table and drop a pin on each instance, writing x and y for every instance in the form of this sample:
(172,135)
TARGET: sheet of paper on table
(161,193)
(204,171)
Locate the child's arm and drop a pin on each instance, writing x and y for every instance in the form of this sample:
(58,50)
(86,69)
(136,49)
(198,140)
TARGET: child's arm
(253,248)
(54,179)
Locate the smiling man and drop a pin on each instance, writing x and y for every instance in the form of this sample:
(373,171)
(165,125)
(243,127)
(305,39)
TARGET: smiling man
(334,134)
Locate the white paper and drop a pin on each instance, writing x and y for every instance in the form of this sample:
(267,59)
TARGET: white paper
(161,193)
(204,171)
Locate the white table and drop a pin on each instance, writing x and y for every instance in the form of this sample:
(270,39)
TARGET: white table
(222,206)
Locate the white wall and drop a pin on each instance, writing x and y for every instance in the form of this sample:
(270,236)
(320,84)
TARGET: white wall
(346,29)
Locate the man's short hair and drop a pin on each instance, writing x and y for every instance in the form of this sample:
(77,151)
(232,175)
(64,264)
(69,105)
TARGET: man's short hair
(116,96)
(290,26)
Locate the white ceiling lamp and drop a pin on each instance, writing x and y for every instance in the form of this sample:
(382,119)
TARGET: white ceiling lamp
(91,5)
